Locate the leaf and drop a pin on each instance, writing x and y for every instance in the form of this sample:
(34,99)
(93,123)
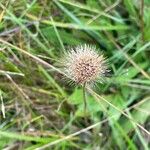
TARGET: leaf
(130,7)
(137,115)
(67,38)
(76,97)
(118,101)
(22,137)
(93,105)
(129,73)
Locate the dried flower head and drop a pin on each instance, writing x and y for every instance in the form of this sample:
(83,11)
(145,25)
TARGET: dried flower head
(83,64)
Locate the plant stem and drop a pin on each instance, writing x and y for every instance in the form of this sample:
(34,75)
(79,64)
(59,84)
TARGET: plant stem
(84,98)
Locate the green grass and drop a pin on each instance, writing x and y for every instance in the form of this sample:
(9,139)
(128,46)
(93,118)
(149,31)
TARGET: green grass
(39,109)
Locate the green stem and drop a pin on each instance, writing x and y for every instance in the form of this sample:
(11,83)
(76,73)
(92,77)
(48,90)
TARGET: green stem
(84,98)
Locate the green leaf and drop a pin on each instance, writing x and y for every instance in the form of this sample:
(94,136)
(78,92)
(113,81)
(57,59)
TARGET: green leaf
(22,137)
(67,38)
(129,73)
(138,115)
(93,105)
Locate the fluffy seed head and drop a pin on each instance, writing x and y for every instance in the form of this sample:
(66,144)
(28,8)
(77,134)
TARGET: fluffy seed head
(83,64)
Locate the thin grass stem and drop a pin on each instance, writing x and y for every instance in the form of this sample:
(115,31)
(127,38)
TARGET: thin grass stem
(84,99)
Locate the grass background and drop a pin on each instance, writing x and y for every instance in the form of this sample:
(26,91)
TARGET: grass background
(39,110)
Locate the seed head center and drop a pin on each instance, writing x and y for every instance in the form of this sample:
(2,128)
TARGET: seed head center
(85,70)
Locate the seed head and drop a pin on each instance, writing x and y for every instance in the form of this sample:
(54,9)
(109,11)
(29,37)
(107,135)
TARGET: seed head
(83,64)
